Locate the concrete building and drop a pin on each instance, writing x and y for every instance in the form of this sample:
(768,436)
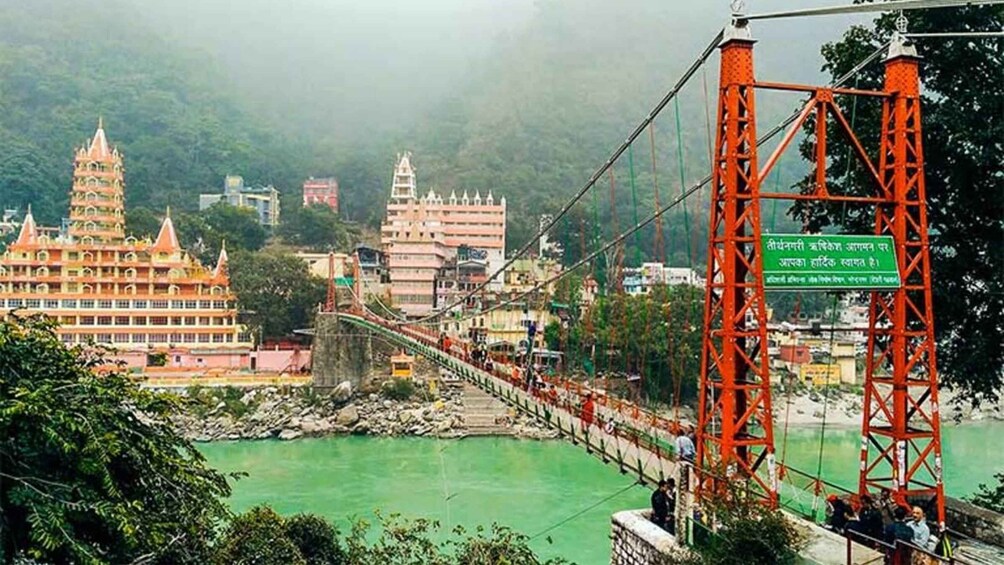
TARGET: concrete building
(321,191)
(135,296)
(264,200)
(421,232)
(640,280)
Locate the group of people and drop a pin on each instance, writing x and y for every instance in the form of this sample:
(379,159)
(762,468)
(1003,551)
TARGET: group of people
(883,520)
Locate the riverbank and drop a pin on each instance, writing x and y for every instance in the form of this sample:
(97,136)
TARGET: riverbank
(217,414)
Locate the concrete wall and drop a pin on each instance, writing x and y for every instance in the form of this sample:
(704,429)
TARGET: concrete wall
(637,541)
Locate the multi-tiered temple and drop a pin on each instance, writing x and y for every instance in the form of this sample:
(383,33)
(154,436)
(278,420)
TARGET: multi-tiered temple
(421,233)
(137,296)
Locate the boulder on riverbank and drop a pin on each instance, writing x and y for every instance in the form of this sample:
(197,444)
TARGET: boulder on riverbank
(271,413)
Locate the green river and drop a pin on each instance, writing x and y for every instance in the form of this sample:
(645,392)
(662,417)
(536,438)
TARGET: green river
(528,485)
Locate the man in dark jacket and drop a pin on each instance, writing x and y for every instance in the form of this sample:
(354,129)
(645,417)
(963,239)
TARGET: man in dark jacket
(661,505)
(899,530)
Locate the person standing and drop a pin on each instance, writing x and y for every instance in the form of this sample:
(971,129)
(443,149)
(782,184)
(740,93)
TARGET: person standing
(685,447)
(588,412)
(660,505)
(921,531)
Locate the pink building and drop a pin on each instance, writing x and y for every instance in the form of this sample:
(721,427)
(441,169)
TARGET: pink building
(421,232)
(321,191)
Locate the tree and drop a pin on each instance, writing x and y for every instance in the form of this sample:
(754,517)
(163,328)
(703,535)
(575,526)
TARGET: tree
(237,225)
(991,498)
(91,470)
(316,539)
(316,226)
(276,290)
(964,165)
(142,222)
(258,536)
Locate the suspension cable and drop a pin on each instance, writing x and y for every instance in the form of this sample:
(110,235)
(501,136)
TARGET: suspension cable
(683,195)
(596,175)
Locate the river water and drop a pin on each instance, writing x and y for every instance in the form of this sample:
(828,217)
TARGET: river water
(539,488)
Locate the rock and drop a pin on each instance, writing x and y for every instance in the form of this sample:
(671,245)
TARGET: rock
(405,416)
(361,428)
(315,427)
(288,434)
(347,416)
(342,392)
(388,404)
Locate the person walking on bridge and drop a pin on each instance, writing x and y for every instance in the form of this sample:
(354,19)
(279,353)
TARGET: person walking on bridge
(588,412)
(663,505)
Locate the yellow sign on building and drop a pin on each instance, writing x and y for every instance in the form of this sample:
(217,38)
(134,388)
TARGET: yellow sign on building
(820,374)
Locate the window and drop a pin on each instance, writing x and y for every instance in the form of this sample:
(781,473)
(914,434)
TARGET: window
(130,289)
(50,303)
(87,320)
(176,321)
(140,304)
(139,320)
(176,338)
(121,338)
(158,320)
(72,256)
(189,338)
(220,304)
(158,304)
(130,273)
(104,338)
(158,338)
(139,338)
(68,320)
(87,304)
(189,320)
(203,338)
(69,303)
(179,304)
(105,304)
(217,338)
(104,320)
(205,304)
(122,304)
(32,303)
(67,338)
(121,320)
(191,304)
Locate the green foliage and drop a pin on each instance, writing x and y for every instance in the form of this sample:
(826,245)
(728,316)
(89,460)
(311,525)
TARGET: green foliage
(398,389)
(276,291)
(91,470)
(318,227)
(175,120)
(657,335)
(991,497)
(964,166)
(747,533)
(316,539)
(157,359)
(258,536)
(403,542)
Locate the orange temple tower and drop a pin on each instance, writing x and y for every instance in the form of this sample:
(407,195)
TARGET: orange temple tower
(135,296)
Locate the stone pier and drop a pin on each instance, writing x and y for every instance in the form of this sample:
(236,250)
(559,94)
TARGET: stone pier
(341,352)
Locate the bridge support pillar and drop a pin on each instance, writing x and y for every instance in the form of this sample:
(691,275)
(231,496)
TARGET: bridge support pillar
(341,352)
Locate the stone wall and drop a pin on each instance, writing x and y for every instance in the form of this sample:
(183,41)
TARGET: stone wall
(341,352)
(637,541)
(978,523)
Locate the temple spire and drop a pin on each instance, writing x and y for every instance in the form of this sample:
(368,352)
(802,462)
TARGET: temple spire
(29,232)
(220,272)
(167,239)
(99,143)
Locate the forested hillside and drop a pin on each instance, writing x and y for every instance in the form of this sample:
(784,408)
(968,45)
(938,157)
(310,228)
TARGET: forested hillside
(63,64)
(526,106)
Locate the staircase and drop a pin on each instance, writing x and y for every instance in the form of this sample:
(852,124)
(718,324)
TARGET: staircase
(481,411)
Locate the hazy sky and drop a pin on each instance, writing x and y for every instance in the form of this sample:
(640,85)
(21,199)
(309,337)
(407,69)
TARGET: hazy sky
(349,69)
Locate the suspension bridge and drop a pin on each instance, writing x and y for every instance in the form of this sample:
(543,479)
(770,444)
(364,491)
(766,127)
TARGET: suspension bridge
(901,448)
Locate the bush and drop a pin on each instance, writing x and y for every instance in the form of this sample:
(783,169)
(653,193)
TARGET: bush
(258,536)
(398,389)
(991,498)
(316,539)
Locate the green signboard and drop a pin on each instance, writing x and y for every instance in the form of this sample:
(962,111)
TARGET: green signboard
(343,281)
(828,261)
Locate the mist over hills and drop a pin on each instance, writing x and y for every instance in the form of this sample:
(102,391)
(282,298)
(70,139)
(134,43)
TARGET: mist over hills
(524,98)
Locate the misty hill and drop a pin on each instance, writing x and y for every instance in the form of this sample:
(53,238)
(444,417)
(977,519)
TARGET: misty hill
(521,97)
(65,63)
